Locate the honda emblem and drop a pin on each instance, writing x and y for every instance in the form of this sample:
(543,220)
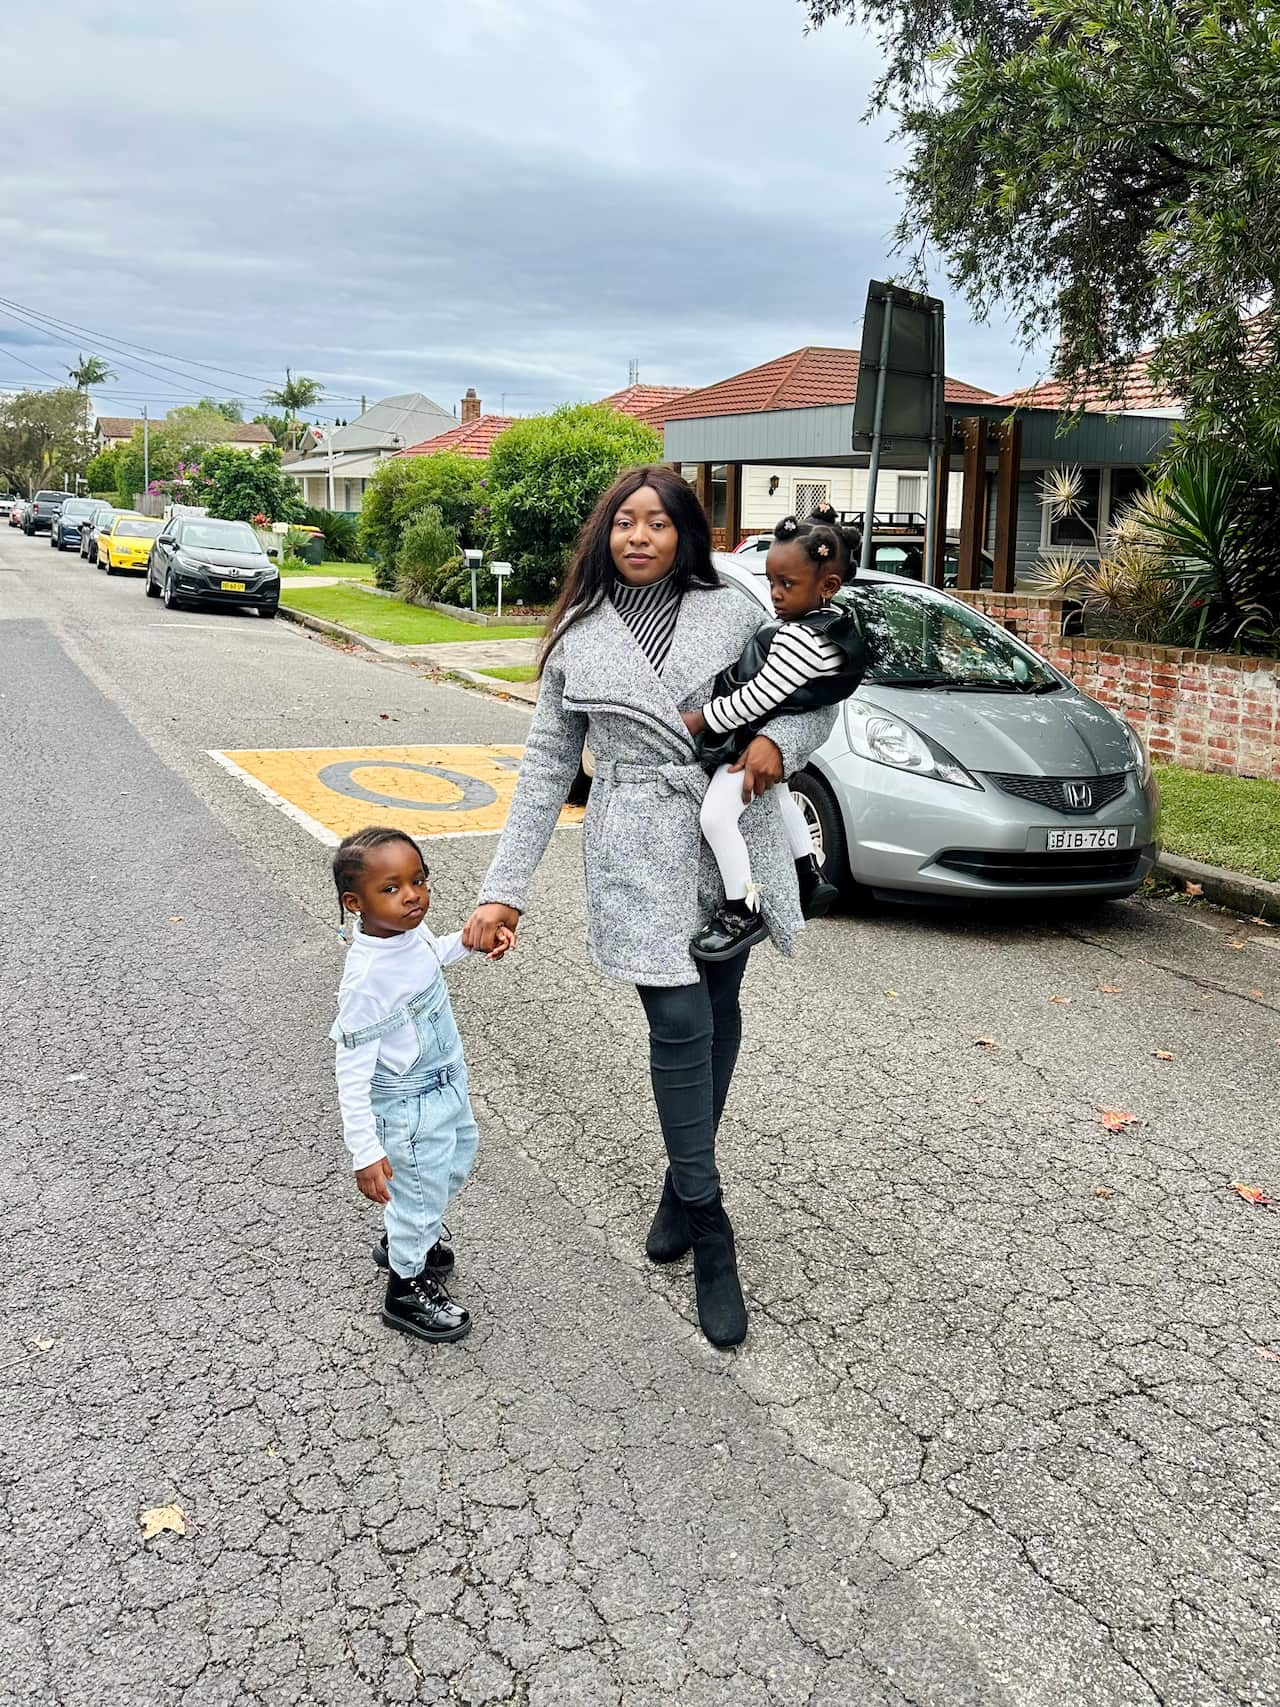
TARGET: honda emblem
(1079,795)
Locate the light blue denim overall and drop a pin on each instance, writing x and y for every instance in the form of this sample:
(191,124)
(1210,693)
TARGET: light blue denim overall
(423,1121)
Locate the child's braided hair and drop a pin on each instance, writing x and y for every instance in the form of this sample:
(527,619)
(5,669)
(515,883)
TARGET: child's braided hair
(826,547)
(348,861)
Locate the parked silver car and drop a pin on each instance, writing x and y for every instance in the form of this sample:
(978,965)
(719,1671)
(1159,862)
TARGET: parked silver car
(965,765)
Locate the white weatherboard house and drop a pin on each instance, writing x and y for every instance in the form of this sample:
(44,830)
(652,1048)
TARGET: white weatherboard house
(382,431)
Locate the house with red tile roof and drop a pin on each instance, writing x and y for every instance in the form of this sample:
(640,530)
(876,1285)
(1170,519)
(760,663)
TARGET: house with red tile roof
(475,432)
(1127,389)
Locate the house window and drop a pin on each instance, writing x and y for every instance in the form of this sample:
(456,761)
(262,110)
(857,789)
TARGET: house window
(1126,485)
(809,495)
(1081,528)
(911,493)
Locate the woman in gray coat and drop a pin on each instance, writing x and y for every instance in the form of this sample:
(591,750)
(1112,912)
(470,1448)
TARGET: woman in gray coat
(641,630)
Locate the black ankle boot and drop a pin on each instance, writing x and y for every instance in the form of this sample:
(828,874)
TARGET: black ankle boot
(668,1237)
(734,929)
(439,1257)
(817,896)
(423,1308)
(722,1312)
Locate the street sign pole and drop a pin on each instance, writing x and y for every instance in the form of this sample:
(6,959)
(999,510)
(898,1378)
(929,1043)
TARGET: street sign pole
(146,449)
(873,471)
(931,576)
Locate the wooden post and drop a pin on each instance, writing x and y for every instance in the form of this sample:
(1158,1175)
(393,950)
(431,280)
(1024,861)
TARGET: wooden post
(940,502)
(703,488)
(974,507)
(732,504)
(1008,474)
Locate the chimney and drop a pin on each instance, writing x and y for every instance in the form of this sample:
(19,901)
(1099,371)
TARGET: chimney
(470,406)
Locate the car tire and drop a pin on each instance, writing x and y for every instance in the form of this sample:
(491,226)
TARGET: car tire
(268,610)
(168,595)
(822,814)
(105,563)
(149,587)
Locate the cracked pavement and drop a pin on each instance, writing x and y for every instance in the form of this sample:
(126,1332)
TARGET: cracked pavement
(1002,1433)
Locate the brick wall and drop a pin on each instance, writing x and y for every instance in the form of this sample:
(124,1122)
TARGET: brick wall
(1211,711)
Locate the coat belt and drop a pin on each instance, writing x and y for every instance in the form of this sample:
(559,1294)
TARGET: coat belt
(676,779)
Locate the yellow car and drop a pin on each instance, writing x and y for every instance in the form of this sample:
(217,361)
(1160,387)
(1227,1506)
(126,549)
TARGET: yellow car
(125,543)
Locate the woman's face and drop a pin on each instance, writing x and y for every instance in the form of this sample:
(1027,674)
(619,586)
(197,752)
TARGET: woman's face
(643,539)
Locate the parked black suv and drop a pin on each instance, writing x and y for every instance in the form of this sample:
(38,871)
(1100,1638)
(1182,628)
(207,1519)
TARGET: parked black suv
(44,507)
(206,561)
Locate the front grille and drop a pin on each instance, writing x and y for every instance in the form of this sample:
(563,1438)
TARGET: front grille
(1111,865)
(1051,791)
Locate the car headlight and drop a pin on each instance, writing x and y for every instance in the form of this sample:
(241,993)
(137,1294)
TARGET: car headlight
(1141,761)
(887,740)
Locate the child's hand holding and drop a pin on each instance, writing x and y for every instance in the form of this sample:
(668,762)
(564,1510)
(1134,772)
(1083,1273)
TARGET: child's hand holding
(372,1180)
(694,722)
(504,940)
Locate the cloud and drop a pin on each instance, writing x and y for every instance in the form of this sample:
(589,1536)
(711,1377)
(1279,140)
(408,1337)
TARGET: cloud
(517,196)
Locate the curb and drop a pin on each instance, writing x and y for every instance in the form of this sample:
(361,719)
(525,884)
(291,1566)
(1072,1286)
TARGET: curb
(334,630)
(1256,896)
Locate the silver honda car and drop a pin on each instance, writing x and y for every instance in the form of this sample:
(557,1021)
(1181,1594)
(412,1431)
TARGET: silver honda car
(965,766)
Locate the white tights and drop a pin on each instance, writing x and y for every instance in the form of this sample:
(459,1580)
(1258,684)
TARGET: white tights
(722,807)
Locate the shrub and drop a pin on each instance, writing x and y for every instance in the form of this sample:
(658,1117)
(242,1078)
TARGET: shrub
(454,586)
(545,475)
(242,486)
(341,538)
(426,545)
(404,485)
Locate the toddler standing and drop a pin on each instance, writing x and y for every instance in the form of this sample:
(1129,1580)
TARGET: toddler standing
(402,1081)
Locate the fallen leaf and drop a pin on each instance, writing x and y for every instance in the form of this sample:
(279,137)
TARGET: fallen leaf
(1237,944)
(1252,1194)
(161,1517)
(1062,1001)
(1109,989)
(42,1345)
(384,716)
(1193,889)
(1266,1351)
(74,1078)
(1258,995)
(891,995)
(1116,1121)
(1163,1054)
(1258,919)
(984,1043)
(1103,1191)
(175,918)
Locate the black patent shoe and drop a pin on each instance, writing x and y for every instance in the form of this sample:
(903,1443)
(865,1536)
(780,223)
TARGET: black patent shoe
(734,929)
(722,1310)
(668,1238)
(439,1258)
(817,896)
(422,1307)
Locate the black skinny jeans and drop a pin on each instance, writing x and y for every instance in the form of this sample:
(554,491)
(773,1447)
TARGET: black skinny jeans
(694,1034)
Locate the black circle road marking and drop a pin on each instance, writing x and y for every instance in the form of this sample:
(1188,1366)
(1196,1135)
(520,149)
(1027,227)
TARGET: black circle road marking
(339,777)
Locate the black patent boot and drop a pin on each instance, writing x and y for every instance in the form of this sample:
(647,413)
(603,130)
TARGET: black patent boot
(439,1257)
(734,928)
(722,1312)
(817,896)
(668,1237)
(423,1308)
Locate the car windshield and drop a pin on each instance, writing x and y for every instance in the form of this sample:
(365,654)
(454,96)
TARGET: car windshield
(917,639)
(77,507)
(135,528)
(221,536)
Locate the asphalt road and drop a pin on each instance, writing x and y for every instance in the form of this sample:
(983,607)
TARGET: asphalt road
(1004,1431)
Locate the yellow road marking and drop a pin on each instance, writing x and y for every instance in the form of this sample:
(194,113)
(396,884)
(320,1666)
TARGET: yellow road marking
(428,791)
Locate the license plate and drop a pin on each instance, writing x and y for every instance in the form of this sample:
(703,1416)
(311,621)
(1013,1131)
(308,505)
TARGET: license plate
(1075,841)
(233,586)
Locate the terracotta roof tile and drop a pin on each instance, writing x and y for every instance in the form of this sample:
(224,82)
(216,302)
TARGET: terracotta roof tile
(1128,387)
(238,432)
(804,379)
(645,402)
(468,438)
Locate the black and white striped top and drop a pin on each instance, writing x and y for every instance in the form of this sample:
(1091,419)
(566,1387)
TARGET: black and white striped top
(796,656)
(650,613)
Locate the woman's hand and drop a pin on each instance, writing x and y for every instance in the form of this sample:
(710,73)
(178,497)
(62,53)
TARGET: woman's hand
(481,930)
(373,1180)
(761,767)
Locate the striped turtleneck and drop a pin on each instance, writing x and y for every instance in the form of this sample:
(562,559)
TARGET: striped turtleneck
(650,613)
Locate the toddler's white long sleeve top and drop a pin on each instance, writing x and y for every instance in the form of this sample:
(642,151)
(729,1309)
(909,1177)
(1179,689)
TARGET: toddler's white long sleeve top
(381,973)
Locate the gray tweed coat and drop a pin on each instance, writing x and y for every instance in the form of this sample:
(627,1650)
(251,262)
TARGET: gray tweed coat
(651,879)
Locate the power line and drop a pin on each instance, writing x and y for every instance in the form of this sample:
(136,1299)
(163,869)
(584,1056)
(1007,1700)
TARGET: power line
(42,370)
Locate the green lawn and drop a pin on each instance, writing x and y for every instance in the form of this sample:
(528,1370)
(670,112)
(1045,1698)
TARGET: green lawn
(348,571)
(517,673)
(1223,820)
(392,619)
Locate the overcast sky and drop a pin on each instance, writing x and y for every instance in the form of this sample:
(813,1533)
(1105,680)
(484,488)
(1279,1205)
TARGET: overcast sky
(520,195)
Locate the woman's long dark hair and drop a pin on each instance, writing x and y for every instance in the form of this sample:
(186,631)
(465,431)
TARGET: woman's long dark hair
(592,573)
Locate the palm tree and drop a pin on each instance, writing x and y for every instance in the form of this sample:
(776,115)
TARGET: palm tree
(89,370)
(295,394)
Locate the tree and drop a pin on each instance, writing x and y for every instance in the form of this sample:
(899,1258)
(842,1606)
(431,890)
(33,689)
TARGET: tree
(1110,169)
(403,486)
(184,435)
(545,473)
(242,485)
(277,425)
(293,395)
(89,370)
(230,408)
(44,438)
(102,472)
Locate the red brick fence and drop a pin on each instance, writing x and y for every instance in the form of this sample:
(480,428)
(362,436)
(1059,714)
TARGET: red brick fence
(1211,711)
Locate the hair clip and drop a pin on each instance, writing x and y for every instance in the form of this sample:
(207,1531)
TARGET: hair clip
(824,551)
(790,525)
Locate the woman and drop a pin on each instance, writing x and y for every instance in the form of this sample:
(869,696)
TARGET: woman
(641,630)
